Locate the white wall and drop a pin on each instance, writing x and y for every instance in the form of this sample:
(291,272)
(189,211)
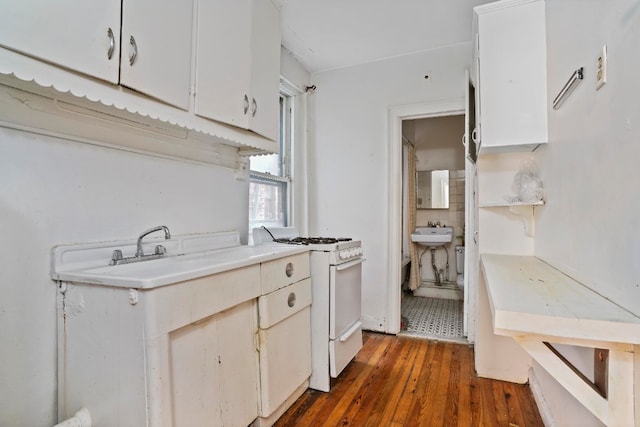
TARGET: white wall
(292,71)
(438,143)
(589,227)
(348,152)
(500,230)
(56,191)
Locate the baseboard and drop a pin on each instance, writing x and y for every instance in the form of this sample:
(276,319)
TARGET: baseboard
(271,419)
(543,408)
(373,324)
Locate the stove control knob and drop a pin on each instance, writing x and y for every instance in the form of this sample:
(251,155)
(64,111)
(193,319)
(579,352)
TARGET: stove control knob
(342,255)
(359,251)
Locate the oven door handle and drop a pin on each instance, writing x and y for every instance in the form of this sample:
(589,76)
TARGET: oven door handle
(349,264)
(352,330)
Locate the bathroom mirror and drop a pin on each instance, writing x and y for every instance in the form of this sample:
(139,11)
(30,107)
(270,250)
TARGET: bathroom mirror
(433,189)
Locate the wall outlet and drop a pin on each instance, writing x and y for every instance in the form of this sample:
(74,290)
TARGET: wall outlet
(601,68)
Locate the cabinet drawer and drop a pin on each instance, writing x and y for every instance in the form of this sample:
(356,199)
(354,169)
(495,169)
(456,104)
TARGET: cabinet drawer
(278,305)
(281,272)
(343,349)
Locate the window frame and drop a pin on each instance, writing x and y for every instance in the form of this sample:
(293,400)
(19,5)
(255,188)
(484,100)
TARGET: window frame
(285,146)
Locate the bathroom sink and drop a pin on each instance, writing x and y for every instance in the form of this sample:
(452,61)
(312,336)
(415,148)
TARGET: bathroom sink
(432,236)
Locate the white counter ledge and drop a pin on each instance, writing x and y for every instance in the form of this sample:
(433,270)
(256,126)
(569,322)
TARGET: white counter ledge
(539,306)
(529,297)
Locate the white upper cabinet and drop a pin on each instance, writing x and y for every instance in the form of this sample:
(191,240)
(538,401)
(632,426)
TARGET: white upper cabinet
(511,75)
(83,35)
(265,66)
(238,67)
(156,49)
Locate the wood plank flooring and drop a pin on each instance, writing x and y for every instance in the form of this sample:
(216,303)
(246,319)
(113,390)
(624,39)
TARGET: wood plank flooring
(405,381)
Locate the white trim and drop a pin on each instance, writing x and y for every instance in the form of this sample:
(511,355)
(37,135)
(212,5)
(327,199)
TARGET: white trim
(500,5)
(298,164)
(396,115)
(538,396)
(92,123)
(24,73)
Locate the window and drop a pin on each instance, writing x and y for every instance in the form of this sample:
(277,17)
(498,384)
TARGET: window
(270,178)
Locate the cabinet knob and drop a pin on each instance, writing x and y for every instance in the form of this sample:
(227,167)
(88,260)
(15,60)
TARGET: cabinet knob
(291,301)
(112,43)
(289,270)
(134,50)
(245,107)
(254,107)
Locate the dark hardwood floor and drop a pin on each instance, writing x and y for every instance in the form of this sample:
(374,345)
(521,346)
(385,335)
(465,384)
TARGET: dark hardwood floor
(403,381)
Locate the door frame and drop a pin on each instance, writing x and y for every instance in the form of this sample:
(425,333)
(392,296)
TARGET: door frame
(396,115)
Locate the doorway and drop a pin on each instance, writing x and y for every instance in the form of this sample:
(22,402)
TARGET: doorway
(433,198)
(397,115)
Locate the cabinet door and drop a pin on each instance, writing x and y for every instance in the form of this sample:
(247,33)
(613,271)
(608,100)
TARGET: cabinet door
(70,33)
(214,369)
(512,74)
(159,34)
(224,61)
(238,71)
(265,63)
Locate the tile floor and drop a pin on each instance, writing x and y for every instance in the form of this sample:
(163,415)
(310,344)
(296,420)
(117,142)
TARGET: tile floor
(432,318)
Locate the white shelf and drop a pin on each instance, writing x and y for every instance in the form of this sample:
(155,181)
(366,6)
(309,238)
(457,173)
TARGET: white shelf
(523,209)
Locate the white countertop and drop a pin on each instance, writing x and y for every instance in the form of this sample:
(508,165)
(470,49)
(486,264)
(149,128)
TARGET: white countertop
(90,263)
(528,296)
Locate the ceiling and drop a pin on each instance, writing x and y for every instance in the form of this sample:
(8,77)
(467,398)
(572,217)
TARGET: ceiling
(329,34)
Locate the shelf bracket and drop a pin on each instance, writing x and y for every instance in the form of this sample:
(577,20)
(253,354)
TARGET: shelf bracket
(526,213)
(617,408)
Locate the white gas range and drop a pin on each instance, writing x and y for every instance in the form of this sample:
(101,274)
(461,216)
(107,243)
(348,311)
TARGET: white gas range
(336,282)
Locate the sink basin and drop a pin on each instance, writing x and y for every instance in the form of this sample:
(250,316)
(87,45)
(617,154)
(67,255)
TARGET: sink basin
(190,257)
(432,236)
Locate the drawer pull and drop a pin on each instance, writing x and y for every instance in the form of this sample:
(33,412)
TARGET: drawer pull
(291,301)
(245,104)
(289,270)
(352,330)
(112,43)
(134,51)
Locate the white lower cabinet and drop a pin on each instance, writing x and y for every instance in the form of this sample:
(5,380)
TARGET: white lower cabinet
(212,351)
(284,313)
(285,344)
(214,369)
(177,355)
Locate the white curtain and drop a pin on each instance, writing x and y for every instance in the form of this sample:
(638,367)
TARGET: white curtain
(414,277)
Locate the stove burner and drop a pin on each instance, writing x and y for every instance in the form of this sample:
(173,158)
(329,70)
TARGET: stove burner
(312,240)
(308,240)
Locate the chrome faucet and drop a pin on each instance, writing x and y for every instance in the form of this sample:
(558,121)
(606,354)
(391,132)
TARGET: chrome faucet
(167,236)
(117,258)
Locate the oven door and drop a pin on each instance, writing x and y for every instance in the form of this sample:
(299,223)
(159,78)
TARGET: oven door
(345,328)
